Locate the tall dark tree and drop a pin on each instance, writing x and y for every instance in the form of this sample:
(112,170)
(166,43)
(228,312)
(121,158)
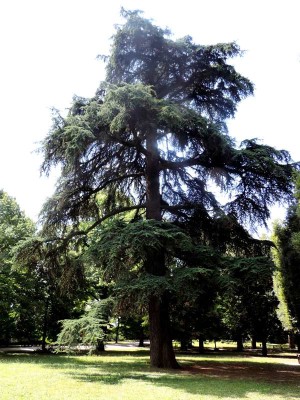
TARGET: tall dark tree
(152,140)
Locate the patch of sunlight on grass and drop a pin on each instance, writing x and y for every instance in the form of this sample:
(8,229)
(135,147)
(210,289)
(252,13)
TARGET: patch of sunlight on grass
(192,358)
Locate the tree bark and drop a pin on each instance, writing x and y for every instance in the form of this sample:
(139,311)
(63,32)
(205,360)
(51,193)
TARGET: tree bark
(117,330)
(141,336)
(100,346)
(239,344)
(141,340)
(201,345)
(291,339)
(253,343)
(161,348)
(264,350)
(183,344)
(297,340)
(153,200)
(215,348)
(45,324)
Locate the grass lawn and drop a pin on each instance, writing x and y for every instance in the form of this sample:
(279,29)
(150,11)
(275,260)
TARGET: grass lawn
(127,375)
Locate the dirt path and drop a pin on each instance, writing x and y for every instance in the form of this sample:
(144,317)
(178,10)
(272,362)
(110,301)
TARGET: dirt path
(281,371)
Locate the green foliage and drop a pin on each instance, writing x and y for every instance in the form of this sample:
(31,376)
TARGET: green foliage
(132,327)
(60,281)
(14,225)
(295,237)
(288,259)
(120,250)
(125,245)
(18,290)
(180,69)
(85,331)
(279,286)
(183,92)
(248,303)
(89,330)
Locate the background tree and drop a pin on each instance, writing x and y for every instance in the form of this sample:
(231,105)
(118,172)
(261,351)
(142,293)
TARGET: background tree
(17,290)
(288,260)
(248,301)
(91,329)
(62,288)
(240,299)
(152,139)
(133,327)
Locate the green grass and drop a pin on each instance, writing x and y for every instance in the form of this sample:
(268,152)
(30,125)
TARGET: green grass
(127,375)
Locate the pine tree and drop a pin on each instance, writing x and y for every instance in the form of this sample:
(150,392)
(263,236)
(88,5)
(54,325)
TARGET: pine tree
(151,141)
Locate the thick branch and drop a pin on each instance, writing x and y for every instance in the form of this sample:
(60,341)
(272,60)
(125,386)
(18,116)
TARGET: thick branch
(98,222)
(175,165)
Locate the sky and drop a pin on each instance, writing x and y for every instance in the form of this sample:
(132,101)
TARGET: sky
(48,54)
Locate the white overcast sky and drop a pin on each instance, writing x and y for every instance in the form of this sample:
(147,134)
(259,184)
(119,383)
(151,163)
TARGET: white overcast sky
(48,52)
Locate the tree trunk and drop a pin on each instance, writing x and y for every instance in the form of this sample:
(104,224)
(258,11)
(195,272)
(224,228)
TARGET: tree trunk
(183,345)
(239,344)
(215,348)
(264,350)
(153,200)
(161,348)
(100,346)
(141,342)
(291,339)
(297,340)
(141,337)
(45,325)
(201,345)
(253,343)
(117,330)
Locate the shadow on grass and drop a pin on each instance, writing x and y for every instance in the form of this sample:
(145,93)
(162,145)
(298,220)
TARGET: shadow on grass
(216,377)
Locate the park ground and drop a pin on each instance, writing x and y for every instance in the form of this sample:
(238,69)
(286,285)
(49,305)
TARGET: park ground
(123,372)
